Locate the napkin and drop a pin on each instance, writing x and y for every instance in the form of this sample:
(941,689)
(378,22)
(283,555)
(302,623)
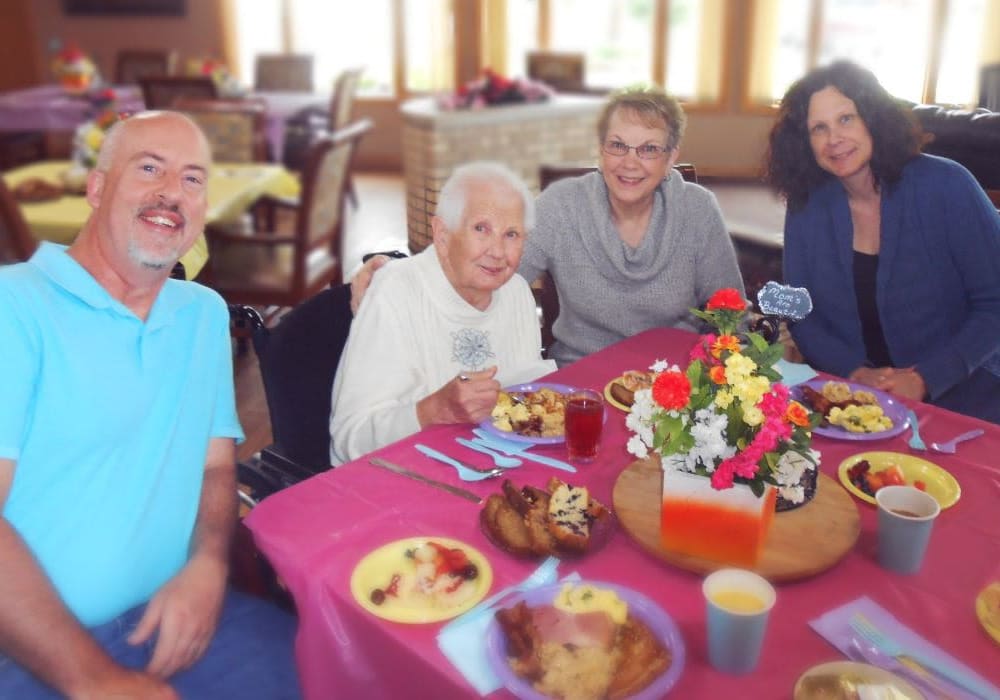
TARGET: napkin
(834,626)
(463,642)
(793,373)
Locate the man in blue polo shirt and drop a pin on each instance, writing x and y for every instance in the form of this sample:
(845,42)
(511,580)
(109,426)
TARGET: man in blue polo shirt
(117,432)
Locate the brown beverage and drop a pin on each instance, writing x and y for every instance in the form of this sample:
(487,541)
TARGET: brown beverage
(905,513)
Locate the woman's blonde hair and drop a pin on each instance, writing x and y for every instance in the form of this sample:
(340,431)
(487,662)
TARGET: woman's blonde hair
(654,107)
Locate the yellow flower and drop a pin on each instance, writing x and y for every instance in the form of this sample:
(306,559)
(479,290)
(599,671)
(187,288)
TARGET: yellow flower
(94,138)
(739,368)
(752,415)
(751,390)
(724,398)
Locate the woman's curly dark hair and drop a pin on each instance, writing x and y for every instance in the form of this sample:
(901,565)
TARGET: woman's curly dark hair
(791,167)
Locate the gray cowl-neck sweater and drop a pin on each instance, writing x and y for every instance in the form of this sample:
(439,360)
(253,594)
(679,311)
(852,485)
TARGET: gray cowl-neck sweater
(609,290)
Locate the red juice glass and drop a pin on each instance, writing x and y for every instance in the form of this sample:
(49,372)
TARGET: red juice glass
(584,422)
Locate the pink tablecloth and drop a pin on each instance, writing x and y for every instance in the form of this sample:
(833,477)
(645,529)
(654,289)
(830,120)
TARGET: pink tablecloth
(314,534)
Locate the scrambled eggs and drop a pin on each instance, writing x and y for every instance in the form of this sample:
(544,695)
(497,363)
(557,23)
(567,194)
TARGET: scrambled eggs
(868,418)
(584,599)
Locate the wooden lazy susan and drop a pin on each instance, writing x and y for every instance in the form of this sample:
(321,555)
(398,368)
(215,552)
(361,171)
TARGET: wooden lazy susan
(803,542)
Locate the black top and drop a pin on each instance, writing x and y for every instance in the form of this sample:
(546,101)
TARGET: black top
(865,272)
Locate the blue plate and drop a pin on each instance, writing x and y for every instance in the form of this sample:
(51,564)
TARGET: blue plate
(488,426)
(893,409)
(644,609)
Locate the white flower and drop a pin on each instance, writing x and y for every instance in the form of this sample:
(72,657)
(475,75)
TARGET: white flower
(659,366)
(792,494)
(637,447)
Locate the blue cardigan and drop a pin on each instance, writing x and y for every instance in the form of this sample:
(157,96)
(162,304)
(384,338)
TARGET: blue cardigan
(938,285)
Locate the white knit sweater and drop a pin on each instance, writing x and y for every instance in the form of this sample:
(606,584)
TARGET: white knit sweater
(413,334)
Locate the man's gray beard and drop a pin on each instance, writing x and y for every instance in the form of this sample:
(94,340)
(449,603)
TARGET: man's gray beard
(146,260)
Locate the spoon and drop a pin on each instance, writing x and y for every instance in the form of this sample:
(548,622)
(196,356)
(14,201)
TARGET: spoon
(948,446)
(916,442)
(498,459)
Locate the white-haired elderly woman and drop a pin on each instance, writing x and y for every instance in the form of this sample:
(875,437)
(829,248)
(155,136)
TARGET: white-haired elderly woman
(445,329)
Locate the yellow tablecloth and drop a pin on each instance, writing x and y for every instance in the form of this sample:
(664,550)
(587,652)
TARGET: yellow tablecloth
(232,188)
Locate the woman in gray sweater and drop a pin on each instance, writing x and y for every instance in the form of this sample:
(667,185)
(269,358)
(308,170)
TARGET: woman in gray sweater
(630,247)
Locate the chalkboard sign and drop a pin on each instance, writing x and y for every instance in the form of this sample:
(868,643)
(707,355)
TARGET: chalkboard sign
(781,300)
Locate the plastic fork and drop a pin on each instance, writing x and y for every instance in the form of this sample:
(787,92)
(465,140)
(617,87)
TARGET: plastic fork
(916,442)
(948,446)
(546,573)
(498,459)
(465,471)
(861,649)
(864,627)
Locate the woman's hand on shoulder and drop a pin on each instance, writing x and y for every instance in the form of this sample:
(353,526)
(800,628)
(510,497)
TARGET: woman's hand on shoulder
(468,398)
(363,278)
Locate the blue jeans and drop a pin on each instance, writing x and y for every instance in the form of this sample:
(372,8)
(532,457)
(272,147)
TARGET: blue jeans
(251,656)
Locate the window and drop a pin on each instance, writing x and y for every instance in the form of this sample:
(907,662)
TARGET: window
(676,43)
(417,58)
(921,50)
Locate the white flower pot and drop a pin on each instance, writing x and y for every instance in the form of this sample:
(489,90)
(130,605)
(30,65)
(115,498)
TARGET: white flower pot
(729,526)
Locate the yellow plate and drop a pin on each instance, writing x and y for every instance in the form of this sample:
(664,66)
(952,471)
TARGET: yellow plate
(376,569)
(611,399)
(826,681)
(940,483)
(988,610)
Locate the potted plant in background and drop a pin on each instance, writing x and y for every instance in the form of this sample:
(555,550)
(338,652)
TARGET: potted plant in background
(729,439)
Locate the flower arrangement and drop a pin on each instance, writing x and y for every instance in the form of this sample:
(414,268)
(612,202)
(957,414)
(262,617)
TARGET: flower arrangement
(73,68)
(726,417)
(225,82)
(494,89)
(89,135)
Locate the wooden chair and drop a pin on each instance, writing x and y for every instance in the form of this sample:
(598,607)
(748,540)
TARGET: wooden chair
(160,92)
(544,289)
(563,71)
(289,72)
(236,129)
(133,64)
(16,242)
(341,109)
(273,269)
(345,87)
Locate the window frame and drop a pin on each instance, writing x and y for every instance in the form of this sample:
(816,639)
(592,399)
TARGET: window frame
(748,105)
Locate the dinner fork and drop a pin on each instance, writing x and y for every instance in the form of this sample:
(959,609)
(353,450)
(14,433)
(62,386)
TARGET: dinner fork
(466,472)
(916,442)
(948,446)
(498,459)
(863,626)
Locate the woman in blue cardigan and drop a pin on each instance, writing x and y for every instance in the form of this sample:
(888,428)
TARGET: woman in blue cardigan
(900,251)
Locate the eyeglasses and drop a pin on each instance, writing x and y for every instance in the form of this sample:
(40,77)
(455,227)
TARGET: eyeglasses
(647,151)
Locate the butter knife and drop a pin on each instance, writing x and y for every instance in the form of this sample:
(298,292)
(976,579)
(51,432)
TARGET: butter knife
(454,490)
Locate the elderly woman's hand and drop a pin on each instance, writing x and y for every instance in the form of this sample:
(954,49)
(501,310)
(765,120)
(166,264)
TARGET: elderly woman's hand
(468,398)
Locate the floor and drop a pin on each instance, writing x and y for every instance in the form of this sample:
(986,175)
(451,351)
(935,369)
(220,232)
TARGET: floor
(379,223)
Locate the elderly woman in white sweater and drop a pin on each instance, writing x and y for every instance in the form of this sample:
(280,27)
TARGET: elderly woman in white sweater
(444,330)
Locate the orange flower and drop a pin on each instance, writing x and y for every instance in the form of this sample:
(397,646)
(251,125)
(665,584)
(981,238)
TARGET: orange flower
(727,299)
(717,374)
(672,390)
(725,342)
(797,414)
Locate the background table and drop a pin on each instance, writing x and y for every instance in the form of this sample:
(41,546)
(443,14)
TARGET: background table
(51,108)
(232,188)
(315,532)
